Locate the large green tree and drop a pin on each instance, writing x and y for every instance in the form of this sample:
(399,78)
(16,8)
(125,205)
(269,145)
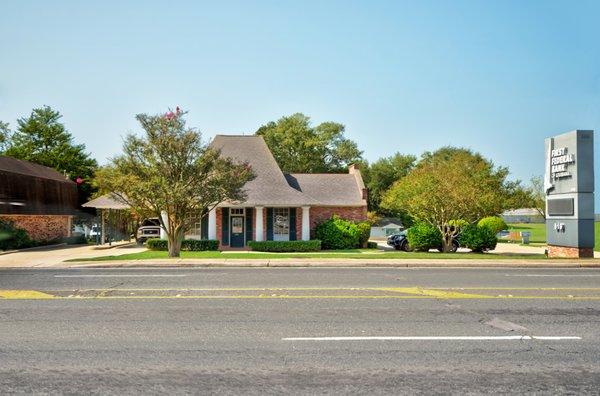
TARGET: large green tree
(170,170)
(447,185)
(43,139)
(381,174)
(4,136)
(300,147)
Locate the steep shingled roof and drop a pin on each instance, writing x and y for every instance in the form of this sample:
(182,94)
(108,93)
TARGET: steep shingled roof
(272,187)
(13,165)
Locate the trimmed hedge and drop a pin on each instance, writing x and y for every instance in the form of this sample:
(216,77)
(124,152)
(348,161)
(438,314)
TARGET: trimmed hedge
(478,238)
(337,234)
(422,237)
(494,223)
(285,246)
(194,245)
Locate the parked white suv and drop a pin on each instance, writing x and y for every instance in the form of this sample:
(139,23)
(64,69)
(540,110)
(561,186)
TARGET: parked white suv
(150,228)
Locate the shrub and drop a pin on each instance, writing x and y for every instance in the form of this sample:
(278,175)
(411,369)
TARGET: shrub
(12,237)
(478,238)
(494,223)
(459,223)
(285,246)
(195,245)
(423,236)
(198,245)
(364,228)
(337,233)
(371,245)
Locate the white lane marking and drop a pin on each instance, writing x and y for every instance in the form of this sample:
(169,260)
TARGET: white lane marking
(551,275)
(122,276)
(434,338)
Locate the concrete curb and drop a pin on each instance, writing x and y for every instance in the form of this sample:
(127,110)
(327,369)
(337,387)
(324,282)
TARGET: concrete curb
(331,263)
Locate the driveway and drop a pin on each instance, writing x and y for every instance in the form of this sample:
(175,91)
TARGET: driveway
(55,255)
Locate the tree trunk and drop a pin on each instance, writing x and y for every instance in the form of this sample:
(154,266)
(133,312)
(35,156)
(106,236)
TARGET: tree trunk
(447,237)
(175,239)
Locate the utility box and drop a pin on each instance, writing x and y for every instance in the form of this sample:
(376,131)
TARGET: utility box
(569,186)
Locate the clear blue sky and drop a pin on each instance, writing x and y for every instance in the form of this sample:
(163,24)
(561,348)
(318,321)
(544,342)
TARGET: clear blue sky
(495,76)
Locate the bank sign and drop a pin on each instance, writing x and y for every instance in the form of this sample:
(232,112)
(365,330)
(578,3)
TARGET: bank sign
(569,185)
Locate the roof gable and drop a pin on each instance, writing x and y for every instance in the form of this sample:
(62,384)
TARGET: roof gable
(13,165)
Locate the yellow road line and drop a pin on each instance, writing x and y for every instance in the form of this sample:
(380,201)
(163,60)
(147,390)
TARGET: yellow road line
(432,292)
(24,295)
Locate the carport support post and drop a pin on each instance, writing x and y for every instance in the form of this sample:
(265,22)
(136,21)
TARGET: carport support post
(102,227)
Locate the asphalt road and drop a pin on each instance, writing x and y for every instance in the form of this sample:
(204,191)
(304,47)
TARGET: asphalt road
(285,330)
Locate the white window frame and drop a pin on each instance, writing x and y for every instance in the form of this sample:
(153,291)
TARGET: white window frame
(281,236)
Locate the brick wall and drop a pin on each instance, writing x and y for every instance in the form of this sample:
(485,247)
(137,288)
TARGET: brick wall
(319,214)
(43,227)
(219,224)
(569,252)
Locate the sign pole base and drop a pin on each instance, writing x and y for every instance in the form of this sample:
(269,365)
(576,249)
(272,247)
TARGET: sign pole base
(569,252)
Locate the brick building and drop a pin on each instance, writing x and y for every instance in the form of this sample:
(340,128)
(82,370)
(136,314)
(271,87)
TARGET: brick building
(36,198)
(279,206)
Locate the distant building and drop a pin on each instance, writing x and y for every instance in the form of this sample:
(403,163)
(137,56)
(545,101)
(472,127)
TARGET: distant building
(36,198)
(523,215)
(386,227)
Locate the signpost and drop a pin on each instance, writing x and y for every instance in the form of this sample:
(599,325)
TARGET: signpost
(569,185)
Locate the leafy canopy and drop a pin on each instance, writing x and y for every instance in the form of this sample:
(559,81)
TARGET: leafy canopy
(171,170)
(381,174)
(299,147)
(450,183)
(43,139)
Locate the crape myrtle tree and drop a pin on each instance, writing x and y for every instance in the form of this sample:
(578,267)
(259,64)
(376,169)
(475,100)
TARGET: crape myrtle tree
(449,184)
(171,171)
(300,147)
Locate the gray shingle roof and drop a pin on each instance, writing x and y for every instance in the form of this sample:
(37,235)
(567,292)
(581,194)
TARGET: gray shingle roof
(328,189)
(13,165)
(272,187)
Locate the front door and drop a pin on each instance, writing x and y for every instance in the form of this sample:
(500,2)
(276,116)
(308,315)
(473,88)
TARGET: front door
(237,231)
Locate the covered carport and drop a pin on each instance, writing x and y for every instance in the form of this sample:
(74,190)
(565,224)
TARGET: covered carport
(115,218)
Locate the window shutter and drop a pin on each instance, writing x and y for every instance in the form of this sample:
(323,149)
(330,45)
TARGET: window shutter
(204,226)
(225,226)
(249,224)
(269,224)
(292,224)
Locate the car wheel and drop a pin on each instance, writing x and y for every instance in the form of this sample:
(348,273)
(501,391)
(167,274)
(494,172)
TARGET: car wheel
(405,246)
(454,246)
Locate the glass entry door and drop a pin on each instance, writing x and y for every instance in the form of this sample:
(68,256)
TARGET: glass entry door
(237,228)
(281,224)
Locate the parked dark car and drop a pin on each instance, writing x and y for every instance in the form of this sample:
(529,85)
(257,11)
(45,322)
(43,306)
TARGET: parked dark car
(399,241)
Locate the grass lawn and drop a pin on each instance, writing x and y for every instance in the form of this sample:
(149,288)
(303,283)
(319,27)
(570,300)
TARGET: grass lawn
(346,254)
(538,232)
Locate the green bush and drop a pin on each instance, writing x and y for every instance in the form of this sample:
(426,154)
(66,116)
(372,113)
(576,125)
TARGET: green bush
(337,233)
(371,245)
(423,236)
(478,238)
(494,223)
(12,237)
(194,245)
(74,240)
(285,246)
(364,228)
(459,223)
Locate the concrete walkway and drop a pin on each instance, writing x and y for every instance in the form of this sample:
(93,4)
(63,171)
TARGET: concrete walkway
(53,256)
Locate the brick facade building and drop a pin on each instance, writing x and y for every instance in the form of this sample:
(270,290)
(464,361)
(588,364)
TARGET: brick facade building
(36,198)
(279,206)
